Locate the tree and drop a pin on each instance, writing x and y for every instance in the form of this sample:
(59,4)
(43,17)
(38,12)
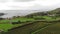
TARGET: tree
(1,14)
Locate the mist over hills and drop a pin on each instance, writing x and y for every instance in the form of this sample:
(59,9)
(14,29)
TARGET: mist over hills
(11,13)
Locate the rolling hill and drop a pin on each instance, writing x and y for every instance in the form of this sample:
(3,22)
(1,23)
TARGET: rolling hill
(36,23)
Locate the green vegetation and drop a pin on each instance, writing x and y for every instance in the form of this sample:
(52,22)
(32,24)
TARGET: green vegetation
(52,29)
(28,29)
(4,21)
(22,19)
(5,26)
(35,23)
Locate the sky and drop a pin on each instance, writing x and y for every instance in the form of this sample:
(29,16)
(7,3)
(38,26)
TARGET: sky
(42,5)
(28,4)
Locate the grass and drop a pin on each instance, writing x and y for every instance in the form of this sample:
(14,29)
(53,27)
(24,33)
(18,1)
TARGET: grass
(53,29)
(22,19)
(4,21)
(27,29)
(5,27)
(4,24)
(15,20)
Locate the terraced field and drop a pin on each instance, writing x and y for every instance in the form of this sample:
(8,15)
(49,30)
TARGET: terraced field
(53,29)
(31,24)
(29,28)
(5,27)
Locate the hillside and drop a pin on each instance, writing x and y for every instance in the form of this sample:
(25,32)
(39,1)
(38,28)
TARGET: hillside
(55,12)
(32,23)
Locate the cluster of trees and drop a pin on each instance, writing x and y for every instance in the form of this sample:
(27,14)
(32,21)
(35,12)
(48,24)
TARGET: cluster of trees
(51,13)
(1,14)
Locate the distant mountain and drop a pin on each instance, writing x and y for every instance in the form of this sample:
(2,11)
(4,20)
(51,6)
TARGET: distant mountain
(11,13)
(55,12)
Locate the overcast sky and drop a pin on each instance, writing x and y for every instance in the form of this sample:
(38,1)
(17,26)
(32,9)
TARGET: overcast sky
(28,4)
(42,5)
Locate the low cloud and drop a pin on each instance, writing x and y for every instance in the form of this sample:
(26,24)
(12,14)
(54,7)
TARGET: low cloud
(23,0)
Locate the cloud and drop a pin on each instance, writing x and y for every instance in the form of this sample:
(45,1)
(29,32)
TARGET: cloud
(23,0)
(44,8)
(3,1)
(41,5)
(32,5)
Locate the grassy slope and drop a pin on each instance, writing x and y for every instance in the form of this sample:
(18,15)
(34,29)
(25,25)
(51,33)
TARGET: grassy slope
(6,25)
(28,29)
(53,29)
